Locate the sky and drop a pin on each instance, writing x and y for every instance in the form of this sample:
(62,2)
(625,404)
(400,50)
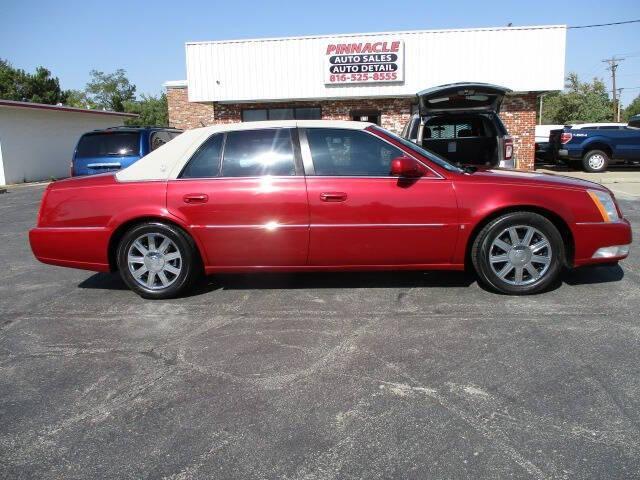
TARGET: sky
(147,39)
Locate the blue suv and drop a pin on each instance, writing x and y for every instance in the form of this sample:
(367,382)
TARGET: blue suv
(114,148)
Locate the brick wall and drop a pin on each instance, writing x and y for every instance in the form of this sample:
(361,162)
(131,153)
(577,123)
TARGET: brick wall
(184,114)
(518,114)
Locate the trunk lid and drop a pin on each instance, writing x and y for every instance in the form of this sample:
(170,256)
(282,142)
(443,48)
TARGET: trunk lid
(461,97)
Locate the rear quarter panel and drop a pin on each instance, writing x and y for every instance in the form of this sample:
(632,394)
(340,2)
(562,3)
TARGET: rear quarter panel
(78,217)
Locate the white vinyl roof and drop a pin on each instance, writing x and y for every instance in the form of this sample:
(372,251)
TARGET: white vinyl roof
(168,161)
(530,58)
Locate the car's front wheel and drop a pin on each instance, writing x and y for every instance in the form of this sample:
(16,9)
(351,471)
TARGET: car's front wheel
(518,253)
(157,260)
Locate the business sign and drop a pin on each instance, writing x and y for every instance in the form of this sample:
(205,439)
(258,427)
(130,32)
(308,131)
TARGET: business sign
(367,61)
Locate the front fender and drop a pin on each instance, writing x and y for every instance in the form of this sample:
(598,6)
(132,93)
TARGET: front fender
(570,206)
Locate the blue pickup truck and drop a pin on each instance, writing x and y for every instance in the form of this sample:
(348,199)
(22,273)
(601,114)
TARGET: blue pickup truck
(596,146)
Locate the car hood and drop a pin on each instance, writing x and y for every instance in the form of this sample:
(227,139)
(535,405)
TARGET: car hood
(500,175)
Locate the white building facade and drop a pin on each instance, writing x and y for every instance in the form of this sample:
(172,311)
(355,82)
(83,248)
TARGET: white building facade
(37,141)
(372,76)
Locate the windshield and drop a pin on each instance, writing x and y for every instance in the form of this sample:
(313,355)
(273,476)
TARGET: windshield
(120,144)
(434,157)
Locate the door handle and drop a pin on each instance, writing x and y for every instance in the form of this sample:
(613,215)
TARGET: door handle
(195,198)
(333,196)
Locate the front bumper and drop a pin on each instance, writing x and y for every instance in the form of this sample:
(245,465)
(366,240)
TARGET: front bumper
(592,238)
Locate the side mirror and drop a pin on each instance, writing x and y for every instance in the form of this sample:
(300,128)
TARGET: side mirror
(406,167)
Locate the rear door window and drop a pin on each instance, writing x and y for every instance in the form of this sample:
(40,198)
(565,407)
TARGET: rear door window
(255,153)
(109,144)
(205,163)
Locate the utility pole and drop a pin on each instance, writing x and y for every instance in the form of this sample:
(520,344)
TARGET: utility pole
(619,102)
(613,63)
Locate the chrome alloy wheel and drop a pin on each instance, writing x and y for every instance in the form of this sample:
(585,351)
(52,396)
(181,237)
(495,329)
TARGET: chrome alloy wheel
(520,255)
(596,161)
(154,261)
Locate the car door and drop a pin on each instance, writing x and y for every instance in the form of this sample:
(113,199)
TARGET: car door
(627,143)
(361,215)
(243,195)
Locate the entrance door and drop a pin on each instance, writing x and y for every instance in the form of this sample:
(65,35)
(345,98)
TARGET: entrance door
(247,206)
(372,116)
(360,215)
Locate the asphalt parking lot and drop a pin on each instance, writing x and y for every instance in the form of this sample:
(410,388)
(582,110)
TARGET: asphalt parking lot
(315,376)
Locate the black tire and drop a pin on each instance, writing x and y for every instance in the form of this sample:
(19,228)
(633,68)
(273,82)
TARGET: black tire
(484,247)
(189,261)
(595,161)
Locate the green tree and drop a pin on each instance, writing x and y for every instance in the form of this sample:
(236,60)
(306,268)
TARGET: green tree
(110,91)
(152,111)
(79,99)
(38,87)
(632,109)
(580,102)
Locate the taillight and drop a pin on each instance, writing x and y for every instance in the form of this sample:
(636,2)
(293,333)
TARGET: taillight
(42,204)
(565,137)
(508,147)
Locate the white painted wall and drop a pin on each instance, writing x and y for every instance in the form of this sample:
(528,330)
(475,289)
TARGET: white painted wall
(38,144)
(521,58)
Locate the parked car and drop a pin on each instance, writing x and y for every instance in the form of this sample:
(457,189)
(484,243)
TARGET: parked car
(543,148)
(634,122)
(115,148)
(460,122)
(321,195)
(596,146)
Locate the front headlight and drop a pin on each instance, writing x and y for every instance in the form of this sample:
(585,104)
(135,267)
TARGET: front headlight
(605,205)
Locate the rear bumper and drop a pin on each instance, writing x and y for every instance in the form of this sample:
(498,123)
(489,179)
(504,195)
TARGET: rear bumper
(75,247)
(590,237)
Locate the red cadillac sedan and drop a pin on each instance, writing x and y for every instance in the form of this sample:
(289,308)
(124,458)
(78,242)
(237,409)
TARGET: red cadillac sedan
(322,195)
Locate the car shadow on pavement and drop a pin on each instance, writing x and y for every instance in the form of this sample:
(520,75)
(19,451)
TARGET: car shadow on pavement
(594,274)
(302,280)
(337,280)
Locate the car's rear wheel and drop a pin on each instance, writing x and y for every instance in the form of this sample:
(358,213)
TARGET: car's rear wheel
(157,260)
(518,253)
(595,161)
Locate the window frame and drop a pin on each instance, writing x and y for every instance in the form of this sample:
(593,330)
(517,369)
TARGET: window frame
(295,147)
(309,168)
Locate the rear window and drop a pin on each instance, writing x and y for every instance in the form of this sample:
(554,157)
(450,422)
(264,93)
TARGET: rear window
(112,144)
(442,129)
(161,137)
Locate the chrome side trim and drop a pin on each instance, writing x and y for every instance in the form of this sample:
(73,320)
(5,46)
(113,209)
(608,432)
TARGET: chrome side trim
(263,226)
(96,229)
(277,226)
(378,225)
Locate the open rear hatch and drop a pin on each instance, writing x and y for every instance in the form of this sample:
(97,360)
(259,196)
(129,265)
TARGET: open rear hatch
(461,97)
